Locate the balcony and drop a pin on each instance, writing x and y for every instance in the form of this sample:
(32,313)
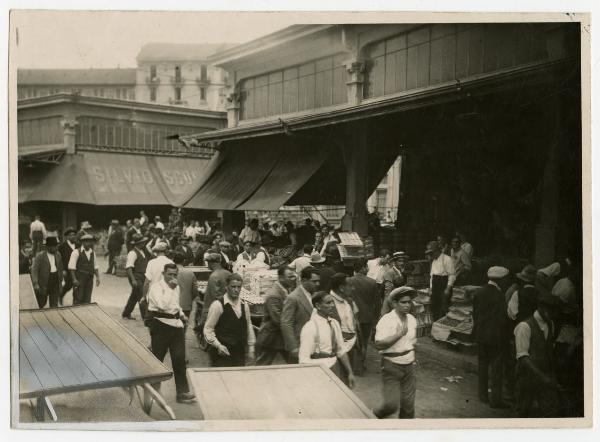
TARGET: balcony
(178,102)
(177,81)
(152,80)
(203,81)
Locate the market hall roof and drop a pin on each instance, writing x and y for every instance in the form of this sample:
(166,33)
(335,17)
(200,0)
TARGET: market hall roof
(180,51)
(118,76)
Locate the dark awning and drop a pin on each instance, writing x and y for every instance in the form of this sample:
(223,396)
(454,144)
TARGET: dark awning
(106,178)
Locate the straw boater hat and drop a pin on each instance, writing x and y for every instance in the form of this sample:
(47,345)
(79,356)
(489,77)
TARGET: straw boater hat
(400,292)
(87,237)
(399,255)
(115,221)
(528,274)
(86,225)
(316,258)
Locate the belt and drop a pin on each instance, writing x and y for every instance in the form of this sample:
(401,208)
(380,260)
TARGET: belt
(321,355)
(395,354)
(154,314)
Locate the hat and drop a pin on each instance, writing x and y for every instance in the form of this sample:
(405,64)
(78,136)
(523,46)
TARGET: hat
(159,247)
(51,241)
(398,255)
(400,292)
(224,243)
(86,225)
(213,257)
(432,246)
(115,221)
(137,238)
(527,274)
(316,258)
(549,300)
(87,237)
(497,272)
(69,231)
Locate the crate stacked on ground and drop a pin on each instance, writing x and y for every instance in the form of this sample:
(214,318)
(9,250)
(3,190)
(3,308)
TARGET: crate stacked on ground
(351,248)
(259,282)
(457,326)
(417,273)
(422,312)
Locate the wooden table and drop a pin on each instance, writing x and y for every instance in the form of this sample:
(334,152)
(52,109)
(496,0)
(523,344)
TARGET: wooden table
(274,392)
(77,348)
(27,299)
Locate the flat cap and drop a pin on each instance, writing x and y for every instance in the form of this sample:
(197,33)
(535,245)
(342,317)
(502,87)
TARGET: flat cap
(400,292)
(497,272)
(160,247)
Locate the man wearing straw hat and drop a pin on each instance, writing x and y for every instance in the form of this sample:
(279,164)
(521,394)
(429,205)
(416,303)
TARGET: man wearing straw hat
(83,265)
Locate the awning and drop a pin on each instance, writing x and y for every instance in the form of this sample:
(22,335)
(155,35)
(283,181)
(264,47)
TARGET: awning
(106,178)
(260,175)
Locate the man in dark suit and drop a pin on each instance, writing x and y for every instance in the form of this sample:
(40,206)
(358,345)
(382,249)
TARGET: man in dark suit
(114,245)
(47,274)
(185,250)
(491,332)
(134,229)
(365,293)
(297,310)
(269,341)
(65,249)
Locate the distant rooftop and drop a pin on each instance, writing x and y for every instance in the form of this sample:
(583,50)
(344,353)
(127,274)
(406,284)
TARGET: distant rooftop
(180,51)
(75,76)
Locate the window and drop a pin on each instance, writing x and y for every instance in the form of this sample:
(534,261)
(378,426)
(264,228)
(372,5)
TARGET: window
(118,93)
(132,94)
(178,74)
(381,199)
(202,94)
(177,94)
(203,73)
(152,72)
(153,93)
(21,94)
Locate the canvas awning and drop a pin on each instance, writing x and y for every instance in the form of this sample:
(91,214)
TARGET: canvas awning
(107,178)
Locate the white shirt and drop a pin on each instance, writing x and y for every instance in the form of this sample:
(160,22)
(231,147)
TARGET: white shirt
(37,226)
(389,325)
(513,304)
(523,334)
(346,314)
(190,231)
(214,314)
(132,257)
(75,256)
(52,259)
(70,244)
(309,344)
(300,263)
(159,225)
(443,266)
(164,299)
(468,248)
(155,269)
(376,270)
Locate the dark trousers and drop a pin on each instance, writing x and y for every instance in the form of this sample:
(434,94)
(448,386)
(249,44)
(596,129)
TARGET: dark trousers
(37,241)
(67,286)
(83,293)
(399,390)
(490,370)
(134,297)
(112,261)
(439,300)
(266,356)
(237,357)
(51,291)
(167,338)
(533,398)
(366,329)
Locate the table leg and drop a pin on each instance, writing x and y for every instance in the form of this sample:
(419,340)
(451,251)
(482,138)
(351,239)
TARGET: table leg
(151,394)
(40,409)
(50,409)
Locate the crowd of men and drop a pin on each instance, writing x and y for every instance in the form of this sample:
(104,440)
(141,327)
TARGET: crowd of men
(527,325)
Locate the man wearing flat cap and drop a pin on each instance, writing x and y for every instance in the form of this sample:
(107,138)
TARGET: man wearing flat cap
(395,337)
(47,274)
(83,265)
(65,249)
(536,367)
(491,332)
(442,279)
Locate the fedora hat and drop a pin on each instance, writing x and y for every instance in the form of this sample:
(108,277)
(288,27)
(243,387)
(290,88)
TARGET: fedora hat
(399,255)
(86,225)
(316,258)
(528,273)
(51,241)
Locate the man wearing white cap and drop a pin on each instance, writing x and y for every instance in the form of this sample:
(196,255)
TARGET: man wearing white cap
(83,265)
(492,334)
(156,266)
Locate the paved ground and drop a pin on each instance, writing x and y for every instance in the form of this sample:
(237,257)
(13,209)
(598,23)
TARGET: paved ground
(437,397)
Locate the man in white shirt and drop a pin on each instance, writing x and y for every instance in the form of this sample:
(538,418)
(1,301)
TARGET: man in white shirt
(228,328)
(158,223)
(135,266)
(37,234)
(395,337)
(321,339)
(83,265)
(303,261)
(167,328)
(461,260)
(442,279)
(156,265)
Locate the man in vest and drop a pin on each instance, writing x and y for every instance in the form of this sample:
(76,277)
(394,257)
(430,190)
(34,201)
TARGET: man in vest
(321,339)
(536,375)
(228,328)
(65,249)
(135,266)
(83,265)
(166,321)
(47,274)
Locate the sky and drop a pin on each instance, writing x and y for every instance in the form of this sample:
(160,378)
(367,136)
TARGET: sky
(106,39)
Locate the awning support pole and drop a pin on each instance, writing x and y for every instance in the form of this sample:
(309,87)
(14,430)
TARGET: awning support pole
(357,176)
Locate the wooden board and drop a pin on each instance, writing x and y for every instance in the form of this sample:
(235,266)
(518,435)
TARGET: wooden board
(274,392)
(26,294)
(80,348)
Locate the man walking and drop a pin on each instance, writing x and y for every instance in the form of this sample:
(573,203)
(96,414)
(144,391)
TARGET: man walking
(47,274)
(442,279)
(83,265)
(135,266)
(297,310)
(491,332)
(395,337)
(269,341)
(228,329)
(66,249)
(133,230)
(114,245)
(188,286)
(166,328)
(37,234)
(216,285)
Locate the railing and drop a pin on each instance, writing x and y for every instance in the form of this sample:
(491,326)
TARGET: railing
(176,150)
(152,80)
(177,80)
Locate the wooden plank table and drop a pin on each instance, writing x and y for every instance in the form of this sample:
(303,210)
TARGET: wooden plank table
(309,391)
(77,348)
(27,299)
